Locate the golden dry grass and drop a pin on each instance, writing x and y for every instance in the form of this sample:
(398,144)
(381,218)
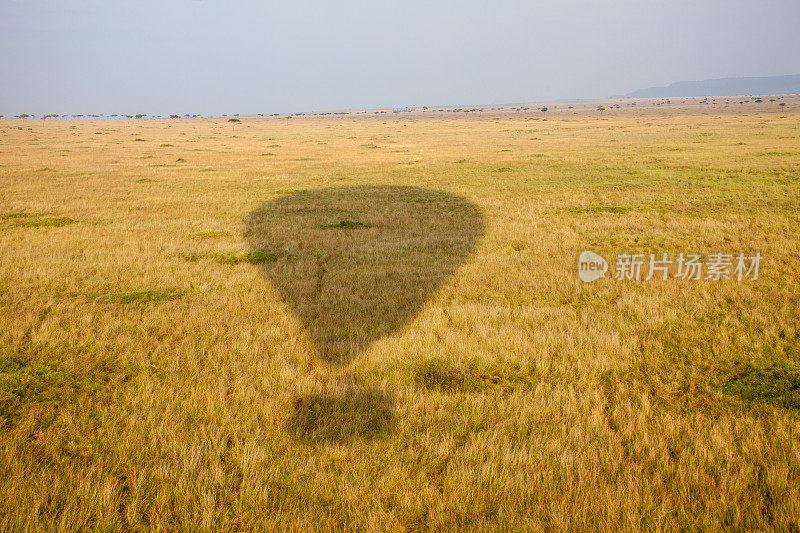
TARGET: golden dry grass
(376,323)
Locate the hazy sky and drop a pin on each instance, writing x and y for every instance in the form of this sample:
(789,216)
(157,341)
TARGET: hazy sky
(214,57)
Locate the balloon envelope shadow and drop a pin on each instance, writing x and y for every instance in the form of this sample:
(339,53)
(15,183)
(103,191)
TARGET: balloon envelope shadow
(357,263)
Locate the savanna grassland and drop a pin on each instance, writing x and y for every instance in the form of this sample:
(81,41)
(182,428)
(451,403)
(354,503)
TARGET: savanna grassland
(375,322)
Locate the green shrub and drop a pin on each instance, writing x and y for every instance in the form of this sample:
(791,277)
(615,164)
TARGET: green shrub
(55,222)
(778,383)
(346,224)
(141,296)
(234,258)
(593,209)
(439,375)
(18,214)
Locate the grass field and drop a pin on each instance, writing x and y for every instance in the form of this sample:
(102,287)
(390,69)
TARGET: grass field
(376,323)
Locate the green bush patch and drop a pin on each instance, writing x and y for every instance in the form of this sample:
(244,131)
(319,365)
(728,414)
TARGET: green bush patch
(18,214)
(192,257)
(141,296)
(437,375)
(346,224)
(54,222)
(23,381)
(234,258)
(778,384)
(593,209)
(440,375)
(31,378)
(209,234)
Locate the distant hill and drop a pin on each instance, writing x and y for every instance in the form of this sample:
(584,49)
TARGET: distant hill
(724,87)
